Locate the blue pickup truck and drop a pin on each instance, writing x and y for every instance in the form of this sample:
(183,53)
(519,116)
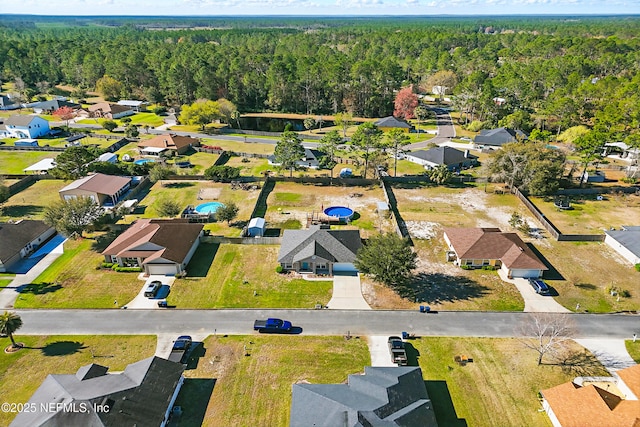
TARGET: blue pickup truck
(272,325)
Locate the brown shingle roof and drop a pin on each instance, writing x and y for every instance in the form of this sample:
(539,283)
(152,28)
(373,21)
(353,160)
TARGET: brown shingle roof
(109,108)
(99,183)
(170,141)
(491,243)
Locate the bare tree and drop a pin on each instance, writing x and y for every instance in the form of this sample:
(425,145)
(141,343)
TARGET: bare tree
(546,333)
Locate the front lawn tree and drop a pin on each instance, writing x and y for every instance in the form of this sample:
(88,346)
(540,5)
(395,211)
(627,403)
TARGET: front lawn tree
(201,113)
(109,125)
(65,113)
(227,212)
(396,138)
(343,121)
(387,258)
(10,322)
(73,216)
(440,175)
(289,150)
(421,113)
(329,145)
(405,103)
(73,162)
(546,333)
(365,141)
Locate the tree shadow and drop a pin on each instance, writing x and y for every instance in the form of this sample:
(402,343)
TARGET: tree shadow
(578,363)
(197,352)
(62,348)
(194,398)
(443,405)
(202,259)
(179,184)
(39,288)
(586,286)
(272,232)
(21,211)
(552,273)
(438,288)
(101,242)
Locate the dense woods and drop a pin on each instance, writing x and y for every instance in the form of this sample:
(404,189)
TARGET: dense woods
(552,73)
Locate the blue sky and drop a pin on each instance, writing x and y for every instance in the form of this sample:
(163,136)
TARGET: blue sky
(318,7)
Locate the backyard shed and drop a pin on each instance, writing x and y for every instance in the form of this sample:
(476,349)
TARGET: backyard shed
(256,227)
(382,208)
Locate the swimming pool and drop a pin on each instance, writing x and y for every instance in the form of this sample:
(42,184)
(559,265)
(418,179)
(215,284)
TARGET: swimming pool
(210,207)
(341,212)
(143,161)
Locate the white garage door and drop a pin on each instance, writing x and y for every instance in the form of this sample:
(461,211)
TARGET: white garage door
(526,273)
(162,269)
(345,268)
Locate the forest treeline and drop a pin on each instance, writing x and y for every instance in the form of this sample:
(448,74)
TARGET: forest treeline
(550,73)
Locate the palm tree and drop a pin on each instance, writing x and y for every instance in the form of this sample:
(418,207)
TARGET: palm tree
(9,323)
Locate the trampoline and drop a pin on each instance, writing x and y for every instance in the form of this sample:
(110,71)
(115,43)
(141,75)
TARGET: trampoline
(341,212)
(208,208)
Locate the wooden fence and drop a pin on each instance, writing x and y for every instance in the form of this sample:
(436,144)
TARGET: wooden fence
(390,197)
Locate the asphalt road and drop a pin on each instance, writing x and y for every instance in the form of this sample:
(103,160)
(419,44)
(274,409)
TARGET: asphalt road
(312,322)
(446,130)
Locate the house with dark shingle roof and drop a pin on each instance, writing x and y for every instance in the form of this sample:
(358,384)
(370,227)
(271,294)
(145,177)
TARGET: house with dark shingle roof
(158,246)
(142,395)
(478,247)
(48,107)
(596,402)
(24,126)
(105,190)
(20,239)
(319,250)
(387,123)
(169,142)
(6,103)
(107,110)
(383,396)
(452,158)
(626,242)
(498,137)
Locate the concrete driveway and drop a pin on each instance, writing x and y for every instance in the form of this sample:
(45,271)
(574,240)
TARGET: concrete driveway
(347,294)
(379,350)
(612,353)
(165,342)
(140,301)
(533,302)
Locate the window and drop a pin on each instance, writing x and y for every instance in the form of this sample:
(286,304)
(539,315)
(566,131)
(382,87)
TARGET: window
(486,262)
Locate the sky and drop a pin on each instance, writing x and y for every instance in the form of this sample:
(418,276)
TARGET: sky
(319,7)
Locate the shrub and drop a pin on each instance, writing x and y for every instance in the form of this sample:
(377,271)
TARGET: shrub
(465,267)
(119,269)
(279,269)
(637,266)
(107,264)
(489,267)
(222,173)
(475,126)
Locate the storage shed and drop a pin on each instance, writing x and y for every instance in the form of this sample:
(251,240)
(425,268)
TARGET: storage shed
(256,227)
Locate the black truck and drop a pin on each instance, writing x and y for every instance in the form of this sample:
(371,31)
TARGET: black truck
(397,350)
(180,349)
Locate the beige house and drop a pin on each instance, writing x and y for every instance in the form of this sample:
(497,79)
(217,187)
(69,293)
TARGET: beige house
(105,190)
(163,143)
(106,110)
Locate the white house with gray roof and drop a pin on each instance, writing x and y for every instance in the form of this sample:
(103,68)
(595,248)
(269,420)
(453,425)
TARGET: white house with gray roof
(319,250)
(626,242)
(382,397)
(452,158)
(23,126)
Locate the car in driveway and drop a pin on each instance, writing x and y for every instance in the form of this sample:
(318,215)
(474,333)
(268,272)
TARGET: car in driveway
(540,287)
(152,289)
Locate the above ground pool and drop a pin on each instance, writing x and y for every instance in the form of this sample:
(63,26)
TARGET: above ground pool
(208,208)
(143,161)
(341,212)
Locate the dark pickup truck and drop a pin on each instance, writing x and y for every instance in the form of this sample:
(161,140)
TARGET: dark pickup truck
(180,349)
(397,350)
(272,325)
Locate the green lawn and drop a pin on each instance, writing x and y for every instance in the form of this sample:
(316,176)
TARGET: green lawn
(240,147)
(634,349)
(226,276)
(255,390)
(31,202)
(14,162)
(139,119)
(405,167)
(5,282)
(22,372)
(72,281)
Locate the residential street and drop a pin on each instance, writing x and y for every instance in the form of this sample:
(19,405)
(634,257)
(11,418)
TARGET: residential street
(446,130)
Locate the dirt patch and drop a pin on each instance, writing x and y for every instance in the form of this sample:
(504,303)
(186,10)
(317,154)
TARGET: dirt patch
(209,193)
(422,229)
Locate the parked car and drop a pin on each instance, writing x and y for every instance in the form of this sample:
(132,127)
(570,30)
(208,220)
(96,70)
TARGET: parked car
(539,286)
(180,349)
(152,289)
(272,325)
(397,350)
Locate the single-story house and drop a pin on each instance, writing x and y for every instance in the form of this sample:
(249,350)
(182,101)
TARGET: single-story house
(142,395)
(48,107)
(136,106)
(256,227)
(387,123)
(622,149)
(105,190)
(319,250)
(311,159)
(158,246)
(107,110)
(596,402)
(20,239)
(452,158)
(23,126)
(382,396)
(626,242)
(169,142)
(43,166)
(479,247)
(6,103)
(498,137)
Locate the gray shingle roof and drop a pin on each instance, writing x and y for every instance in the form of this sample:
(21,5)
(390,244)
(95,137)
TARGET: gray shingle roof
(381,397)
(55,104)
(332,245)
(629,238)
(20,120)
(392,122)
(15,236)
(498,136)
(443,155)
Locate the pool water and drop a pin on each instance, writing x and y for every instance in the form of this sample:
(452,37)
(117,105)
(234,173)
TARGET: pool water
(341,212)
(143,161)
(210,207)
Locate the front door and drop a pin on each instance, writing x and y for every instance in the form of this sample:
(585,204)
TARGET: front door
(305,266)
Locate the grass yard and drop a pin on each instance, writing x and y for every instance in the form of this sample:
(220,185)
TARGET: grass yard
(72,281)
(5,282)
(14,162)
(405,167)
(226,276)
(250,166)
(31,202)
(591,216)
(256,390)
(22,372)
(240,147)
(634,349)
(139,119)
(201,161)
(500,388)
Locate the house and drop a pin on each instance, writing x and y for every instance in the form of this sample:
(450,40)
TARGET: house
(383,396)
(498,137)
(48,107)
(158,246)
(596,401)
(42,167)
(106,110)
(167,143)
(6,103)
(311,159)
(136,106)
(319,250)
(20,239)
(256,227)
(479,247)
(23,126)
(452,158)
(621,149)
(142,395)
(105,190)
(387,123)
(626,242)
